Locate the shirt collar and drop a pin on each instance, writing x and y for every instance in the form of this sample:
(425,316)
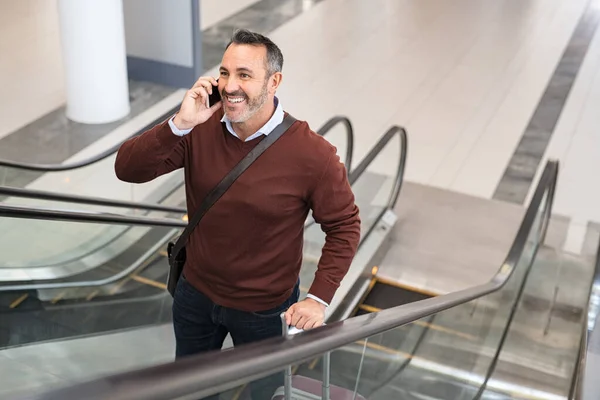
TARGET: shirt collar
(276,119)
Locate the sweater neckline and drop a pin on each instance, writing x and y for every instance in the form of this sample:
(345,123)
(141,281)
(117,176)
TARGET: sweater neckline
(237,141)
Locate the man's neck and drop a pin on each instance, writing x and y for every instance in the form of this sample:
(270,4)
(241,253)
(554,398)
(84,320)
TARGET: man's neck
(248,128)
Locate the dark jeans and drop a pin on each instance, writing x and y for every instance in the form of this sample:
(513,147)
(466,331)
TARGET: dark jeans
(201,325)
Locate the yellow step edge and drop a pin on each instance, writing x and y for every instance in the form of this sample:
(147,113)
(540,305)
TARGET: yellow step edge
(59,297)
(368,308)
(18,301)
(149,282)
(390,282)
(92,295)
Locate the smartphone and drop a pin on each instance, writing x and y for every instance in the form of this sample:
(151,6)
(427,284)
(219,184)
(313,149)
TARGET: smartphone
(215,97)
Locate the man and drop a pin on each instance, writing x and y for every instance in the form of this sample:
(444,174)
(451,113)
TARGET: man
(243,258)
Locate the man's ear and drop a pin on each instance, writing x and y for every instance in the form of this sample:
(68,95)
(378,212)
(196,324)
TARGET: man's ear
(275,81)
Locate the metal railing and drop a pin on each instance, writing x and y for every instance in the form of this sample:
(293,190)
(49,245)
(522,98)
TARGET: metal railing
(209,373)
(88,161)
(95,201)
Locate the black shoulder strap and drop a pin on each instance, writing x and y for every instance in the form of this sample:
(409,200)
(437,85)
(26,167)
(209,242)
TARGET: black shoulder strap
(228,180)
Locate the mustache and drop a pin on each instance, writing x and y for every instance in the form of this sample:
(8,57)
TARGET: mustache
(237,93)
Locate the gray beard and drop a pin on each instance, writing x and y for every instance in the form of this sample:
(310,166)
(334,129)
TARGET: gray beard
(253,106)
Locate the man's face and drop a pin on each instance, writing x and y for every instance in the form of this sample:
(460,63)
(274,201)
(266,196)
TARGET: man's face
(243,81)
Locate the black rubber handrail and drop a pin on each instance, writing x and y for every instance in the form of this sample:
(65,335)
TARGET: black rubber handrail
(330,124)
(88,161)
(48,214)
(98,201)
(208,373)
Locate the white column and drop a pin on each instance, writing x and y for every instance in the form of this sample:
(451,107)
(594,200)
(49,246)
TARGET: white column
(95,60)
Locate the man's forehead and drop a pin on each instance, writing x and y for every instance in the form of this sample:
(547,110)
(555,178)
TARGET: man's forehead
(244,56)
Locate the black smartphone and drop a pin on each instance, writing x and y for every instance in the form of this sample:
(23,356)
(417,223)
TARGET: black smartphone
(215,97)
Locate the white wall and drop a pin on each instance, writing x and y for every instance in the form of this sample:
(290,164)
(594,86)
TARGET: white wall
(159,30)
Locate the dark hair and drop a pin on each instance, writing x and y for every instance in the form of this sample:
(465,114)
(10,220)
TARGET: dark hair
(274,56)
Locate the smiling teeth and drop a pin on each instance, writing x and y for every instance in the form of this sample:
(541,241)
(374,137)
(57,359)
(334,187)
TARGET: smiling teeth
(236,99)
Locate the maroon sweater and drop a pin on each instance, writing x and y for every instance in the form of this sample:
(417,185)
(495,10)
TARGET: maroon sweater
(246,252)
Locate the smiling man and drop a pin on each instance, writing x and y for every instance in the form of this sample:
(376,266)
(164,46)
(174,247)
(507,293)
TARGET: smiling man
(244,257)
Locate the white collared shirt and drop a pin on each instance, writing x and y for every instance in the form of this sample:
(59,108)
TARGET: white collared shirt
(276,119)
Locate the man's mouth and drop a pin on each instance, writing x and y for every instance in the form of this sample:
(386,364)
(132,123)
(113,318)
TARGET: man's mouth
(235,99)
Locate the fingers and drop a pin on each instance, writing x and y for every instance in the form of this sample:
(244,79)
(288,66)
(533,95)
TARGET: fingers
(215,107)
(289,313)
(199,92)
(304,316)
(206,82)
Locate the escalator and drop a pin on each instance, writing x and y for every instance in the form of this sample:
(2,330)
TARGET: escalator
(397,341)
(384,293)
(400,344)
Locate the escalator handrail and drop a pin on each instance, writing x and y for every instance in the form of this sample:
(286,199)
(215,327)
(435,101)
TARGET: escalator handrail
(357,172)
(330,124)
(88,161)
(95,201)
(207,373)
(49,214)
(98,201)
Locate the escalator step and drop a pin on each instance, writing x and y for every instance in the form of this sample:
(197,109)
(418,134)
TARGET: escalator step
(384,296)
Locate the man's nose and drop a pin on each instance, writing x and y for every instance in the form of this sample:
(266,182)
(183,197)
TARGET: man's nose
(231,85)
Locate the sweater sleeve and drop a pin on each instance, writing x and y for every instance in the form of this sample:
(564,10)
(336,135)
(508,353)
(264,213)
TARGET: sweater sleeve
(155,152)
(334,208)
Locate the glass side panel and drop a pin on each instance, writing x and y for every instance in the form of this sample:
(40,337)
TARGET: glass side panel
(444,356)
(130,260)
(52,249)
(541,348)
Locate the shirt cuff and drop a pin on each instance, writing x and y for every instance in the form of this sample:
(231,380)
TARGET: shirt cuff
(177,131)
(317,299)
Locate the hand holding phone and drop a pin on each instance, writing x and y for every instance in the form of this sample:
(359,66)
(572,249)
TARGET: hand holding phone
(197,106)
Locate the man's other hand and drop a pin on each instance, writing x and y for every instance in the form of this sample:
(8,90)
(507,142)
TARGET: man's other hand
(306,314)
